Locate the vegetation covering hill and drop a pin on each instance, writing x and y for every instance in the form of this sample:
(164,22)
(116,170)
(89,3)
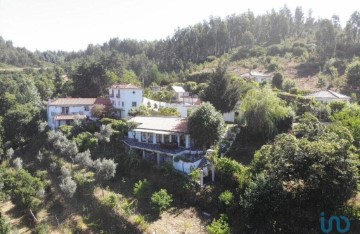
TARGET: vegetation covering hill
(292,157)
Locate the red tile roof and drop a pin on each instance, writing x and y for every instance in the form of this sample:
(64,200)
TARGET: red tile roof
(69,117)
(124,86)
(80,101)
(165,124)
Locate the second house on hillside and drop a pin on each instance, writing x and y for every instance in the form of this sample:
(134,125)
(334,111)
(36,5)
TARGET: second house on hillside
(257,76)
(328,96)
(123,97)
(63,111)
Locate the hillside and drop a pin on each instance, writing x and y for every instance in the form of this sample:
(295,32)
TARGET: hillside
(283,161)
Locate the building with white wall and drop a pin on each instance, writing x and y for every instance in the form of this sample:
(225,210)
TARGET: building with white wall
(257,76)
(123,97)
(328,96)
(63,111)
(165,139)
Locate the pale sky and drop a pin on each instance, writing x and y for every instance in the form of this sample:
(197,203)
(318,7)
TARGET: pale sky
(73,24)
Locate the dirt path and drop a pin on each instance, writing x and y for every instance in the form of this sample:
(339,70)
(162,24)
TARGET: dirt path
(16,218)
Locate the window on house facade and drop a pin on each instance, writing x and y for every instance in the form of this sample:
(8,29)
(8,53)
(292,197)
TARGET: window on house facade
(86,108)
(122,104)
(112,93)
(158,138)
(118,94)
(65,110)
(144,137)
(133,104)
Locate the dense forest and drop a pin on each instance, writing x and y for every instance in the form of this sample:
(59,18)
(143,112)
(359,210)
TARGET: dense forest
(290,157)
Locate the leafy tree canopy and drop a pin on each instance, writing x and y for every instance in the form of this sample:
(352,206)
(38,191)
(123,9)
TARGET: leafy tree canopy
(263,112)
(206,125)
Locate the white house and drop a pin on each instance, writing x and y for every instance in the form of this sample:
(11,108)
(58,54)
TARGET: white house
(257,76)
(123,97)
(63,111)
(179,92)
(181,96)
(328,96)
(165,139)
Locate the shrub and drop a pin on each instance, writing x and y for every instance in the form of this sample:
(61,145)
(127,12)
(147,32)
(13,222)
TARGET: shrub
(141,188)
(141,222)
(220,226)
(110,201)
(298,51)
(288,84)
(273,66)
(84,159)
(161,199)
(66,129)
(42,228)
(195,175)
(18,163)
(86,140)
(128,207)
(168,111)
(68,187)
(337,106)
(4,226)
(226,198)
(64,172)
(274,50)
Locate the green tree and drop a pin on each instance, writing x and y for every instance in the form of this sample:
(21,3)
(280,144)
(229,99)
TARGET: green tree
(326,39)
(90,79)
(1,138)
(222,93)
(277,80)
(248,40)
(161,199)
(98,110)
(20,123)
(298,177)
(220,226)
(141,188)
(353,74)
(349,117)
(205,125)
(308,126)
(263,112)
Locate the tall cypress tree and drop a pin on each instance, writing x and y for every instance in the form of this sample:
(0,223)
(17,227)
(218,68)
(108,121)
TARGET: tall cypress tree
(222,93)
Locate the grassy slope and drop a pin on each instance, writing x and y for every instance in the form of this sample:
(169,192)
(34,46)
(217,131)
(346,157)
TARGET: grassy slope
(290,67)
